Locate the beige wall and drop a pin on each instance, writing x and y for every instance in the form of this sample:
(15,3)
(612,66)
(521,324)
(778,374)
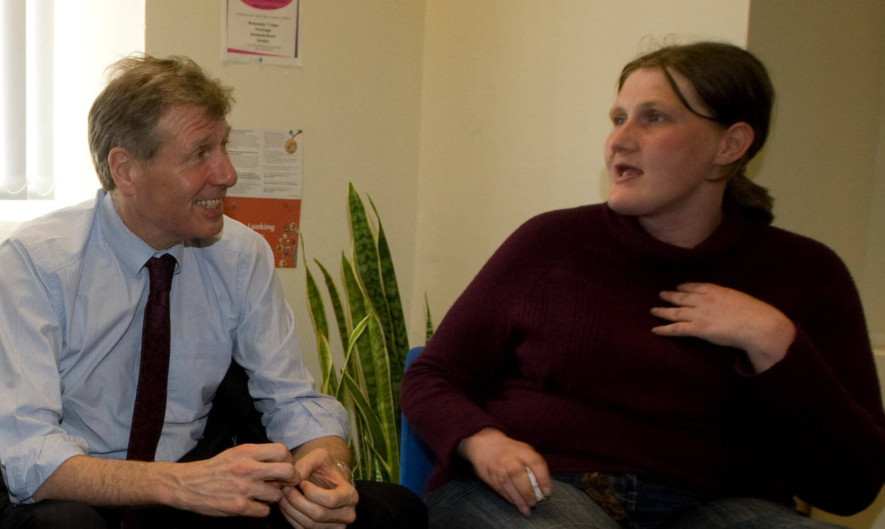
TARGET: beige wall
(357,98)
(515,112)
(462,118)
(825,160)
(512,119)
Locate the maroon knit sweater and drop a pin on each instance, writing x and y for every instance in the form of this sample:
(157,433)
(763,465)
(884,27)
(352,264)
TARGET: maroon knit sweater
(553,338)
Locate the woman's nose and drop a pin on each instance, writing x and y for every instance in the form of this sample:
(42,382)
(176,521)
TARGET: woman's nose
(621,138)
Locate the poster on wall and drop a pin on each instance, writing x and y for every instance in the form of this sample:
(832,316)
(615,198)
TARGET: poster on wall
(261,31)
(267,196)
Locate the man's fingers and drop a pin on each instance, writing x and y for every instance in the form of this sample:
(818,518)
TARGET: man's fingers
(264,462)
(299,505)
(255,509)
(329,498)
(268,492)
(267,452)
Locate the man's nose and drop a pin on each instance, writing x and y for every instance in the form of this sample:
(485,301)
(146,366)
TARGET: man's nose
(224,172)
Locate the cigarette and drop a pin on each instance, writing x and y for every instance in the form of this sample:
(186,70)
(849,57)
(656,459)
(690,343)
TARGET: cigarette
(538,495)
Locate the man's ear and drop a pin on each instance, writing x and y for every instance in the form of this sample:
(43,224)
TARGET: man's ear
(735,142)
(124,168)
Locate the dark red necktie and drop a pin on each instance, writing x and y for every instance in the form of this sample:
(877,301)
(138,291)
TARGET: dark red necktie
(150,396)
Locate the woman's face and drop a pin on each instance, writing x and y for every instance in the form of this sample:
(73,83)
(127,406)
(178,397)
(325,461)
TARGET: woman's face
(661,158)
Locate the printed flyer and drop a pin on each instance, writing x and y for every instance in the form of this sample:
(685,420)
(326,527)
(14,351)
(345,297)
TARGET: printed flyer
(261,31)
(267,196)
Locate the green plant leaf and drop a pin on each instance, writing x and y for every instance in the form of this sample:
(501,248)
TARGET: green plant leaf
(337,307)
(363,370)
(350,355)
(329,380)
(397,336)
(365,257)
(329,377)
(372,329)
(316,307)
(374,428)
(382,470)
(382,397)
(428,333)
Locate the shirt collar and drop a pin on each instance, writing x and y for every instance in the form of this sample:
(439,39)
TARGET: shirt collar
(130,250)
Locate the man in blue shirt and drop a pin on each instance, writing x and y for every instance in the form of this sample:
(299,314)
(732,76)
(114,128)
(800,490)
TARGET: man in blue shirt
(74,288)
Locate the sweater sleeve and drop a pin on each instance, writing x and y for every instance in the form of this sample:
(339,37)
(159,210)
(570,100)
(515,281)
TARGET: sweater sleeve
(470,348)
(824,398)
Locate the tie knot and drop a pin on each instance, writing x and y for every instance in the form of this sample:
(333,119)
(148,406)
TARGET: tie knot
(161,270)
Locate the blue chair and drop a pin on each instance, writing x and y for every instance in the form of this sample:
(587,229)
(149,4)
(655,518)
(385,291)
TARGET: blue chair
(416,459)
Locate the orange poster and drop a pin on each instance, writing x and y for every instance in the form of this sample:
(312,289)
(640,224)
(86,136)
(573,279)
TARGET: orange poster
(274,218)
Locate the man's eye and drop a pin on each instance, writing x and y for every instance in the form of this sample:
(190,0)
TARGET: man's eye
(618,120)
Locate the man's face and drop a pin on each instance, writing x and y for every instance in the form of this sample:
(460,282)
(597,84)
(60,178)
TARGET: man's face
(178,194)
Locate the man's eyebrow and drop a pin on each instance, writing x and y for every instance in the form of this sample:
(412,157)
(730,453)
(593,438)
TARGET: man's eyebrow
(206,139)
(198,143)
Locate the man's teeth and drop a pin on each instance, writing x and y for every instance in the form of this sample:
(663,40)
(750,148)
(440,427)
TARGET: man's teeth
(212,204)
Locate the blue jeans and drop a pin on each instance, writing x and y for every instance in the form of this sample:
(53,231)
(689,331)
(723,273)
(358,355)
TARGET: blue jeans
(473,505)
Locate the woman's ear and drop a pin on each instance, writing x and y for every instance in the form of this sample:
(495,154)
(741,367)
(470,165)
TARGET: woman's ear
(734,144)
(123,167)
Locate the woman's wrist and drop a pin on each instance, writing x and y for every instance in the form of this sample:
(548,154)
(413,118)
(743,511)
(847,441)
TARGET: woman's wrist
(772,346)
(468,444)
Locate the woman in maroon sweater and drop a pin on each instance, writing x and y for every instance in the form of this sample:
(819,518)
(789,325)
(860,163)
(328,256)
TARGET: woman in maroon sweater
(665,357)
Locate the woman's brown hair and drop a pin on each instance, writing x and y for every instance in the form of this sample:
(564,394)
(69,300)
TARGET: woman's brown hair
(735,86)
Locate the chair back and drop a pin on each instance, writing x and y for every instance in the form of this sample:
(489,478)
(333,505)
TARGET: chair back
(416,459)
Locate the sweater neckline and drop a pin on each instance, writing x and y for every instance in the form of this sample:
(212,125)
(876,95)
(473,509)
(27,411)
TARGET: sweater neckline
(639,244)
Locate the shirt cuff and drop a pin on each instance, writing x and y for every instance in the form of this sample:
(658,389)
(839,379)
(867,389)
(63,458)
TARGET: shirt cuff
(27,465)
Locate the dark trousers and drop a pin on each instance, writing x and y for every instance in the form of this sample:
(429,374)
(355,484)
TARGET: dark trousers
(233,420)
(382,505)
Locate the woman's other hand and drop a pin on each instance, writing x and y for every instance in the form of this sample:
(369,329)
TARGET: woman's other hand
(729,318)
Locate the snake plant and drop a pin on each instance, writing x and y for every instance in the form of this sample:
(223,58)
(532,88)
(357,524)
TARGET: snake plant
(369,320)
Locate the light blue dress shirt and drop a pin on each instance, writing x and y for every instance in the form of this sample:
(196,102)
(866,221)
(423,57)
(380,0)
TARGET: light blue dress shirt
(72,296)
